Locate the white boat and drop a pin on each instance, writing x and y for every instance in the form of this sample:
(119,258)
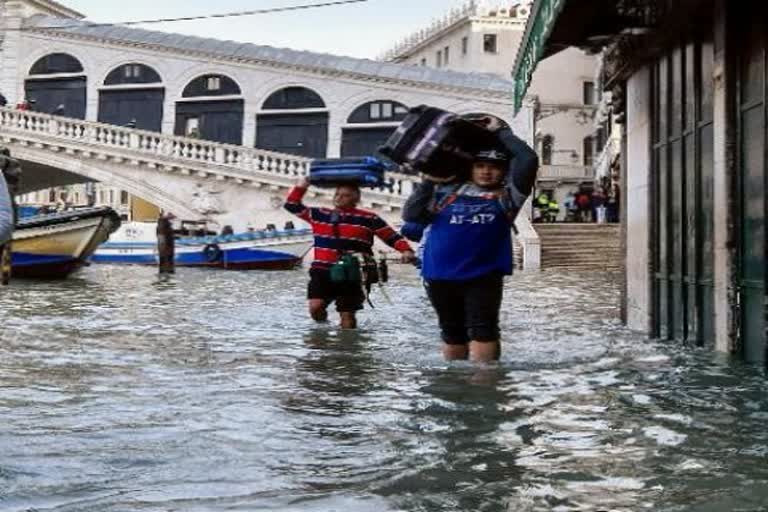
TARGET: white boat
(135,243)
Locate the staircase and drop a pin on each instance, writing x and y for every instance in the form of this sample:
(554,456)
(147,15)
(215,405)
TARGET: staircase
(580,246)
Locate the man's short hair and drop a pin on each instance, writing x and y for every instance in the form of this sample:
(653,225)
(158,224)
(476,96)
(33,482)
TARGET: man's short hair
(351,186)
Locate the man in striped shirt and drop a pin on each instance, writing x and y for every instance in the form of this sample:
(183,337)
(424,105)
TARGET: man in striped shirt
(340,230)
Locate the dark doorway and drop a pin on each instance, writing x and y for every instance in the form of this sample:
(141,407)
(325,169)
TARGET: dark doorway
(364,141)
(49,94)
(218,121)
(753,122)
(122,107)
(683,188)
(297,134)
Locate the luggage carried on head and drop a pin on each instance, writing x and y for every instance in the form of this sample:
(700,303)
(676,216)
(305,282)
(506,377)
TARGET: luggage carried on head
(366,172)
(437,142)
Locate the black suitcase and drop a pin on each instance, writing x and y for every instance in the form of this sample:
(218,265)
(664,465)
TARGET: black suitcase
(437,142)
(364,172)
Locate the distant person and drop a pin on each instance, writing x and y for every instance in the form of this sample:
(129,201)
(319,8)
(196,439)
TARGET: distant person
(584,203)
(571,207)
(612,203)
(289,226)
(553,210)
(227,230)
(3,101)
(541,206)
(166,244)
(598,204)
(344,235)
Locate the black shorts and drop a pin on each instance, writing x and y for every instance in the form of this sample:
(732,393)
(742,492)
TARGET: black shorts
(468,310)
(348,296)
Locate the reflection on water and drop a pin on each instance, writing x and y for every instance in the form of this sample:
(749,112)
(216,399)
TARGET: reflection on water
(213,391)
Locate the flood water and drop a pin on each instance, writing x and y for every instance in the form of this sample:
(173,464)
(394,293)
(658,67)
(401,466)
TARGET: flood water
(213,391)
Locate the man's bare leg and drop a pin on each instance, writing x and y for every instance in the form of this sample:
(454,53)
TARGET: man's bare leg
(484,351)
(348,320)
(318,310)
(455,352)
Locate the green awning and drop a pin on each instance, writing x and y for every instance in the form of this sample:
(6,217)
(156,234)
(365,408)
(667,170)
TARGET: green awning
(538,29)
(555,25)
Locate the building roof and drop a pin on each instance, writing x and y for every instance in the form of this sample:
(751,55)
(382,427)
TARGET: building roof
(488,11)
(281,57)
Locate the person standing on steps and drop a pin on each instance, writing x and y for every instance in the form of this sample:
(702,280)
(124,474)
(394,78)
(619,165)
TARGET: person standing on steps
(468,250)
(343,236)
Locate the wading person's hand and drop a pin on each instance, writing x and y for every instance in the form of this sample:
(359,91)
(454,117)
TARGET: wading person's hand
(407,257)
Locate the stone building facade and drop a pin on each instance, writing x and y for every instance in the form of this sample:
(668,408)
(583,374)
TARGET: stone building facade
(691,80)
(485,36)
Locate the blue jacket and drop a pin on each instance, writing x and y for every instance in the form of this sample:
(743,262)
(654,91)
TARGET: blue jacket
(470,235)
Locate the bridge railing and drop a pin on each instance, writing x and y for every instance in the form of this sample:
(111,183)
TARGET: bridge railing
(140,143)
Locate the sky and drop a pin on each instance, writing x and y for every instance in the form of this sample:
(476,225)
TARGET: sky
(362,30)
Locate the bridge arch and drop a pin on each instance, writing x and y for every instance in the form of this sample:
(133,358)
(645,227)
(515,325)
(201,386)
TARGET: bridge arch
(132,94)
(293,119)
(211,107)
(112,174)
(56,83)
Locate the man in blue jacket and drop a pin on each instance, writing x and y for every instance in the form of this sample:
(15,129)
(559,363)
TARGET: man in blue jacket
(468,250)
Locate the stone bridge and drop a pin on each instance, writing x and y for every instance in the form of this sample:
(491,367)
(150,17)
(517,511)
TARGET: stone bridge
(192,178)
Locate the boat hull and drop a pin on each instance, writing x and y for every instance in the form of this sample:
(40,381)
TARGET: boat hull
(52,247)
(280,252)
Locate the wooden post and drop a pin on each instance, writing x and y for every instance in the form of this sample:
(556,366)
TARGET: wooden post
(166,247)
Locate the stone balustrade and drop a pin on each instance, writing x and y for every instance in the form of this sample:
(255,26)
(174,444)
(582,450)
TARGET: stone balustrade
(169,152)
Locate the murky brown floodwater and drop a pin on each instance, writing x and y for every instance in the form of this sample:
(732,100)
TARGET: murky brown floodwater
(213,391)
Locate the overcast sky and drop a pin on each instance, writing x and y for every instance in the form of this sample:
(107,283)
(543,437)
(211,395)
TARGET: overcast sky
(358,30)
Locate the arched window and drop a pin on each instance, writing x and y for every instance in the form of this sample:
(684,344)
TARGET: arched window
(211,85)
(56,63)
(201,114)
(547,148)
(133,73)
(379,112)
(293,98)
(140,106)
(56,85)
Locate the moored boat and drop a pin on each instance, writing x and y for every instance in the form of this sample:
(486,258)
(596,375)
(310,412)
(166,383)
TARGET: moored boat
(53,246)
(135,244)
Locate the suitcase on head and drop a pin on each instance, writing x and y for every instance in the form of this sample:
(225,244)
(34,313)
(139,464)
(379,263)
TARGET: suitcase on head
(437,142)
(366,172)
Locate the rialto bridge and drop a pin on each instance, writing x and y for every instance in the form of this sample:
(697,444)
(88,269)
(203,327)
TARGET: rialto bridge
(202,127)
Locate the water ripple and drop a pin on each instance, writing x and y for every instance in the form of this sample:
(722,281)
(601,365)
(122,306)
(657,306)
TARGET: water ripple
(213,391)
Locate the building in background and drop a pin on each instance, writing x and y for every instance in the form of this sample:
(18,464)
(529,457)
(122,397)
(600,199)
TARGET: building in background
(691,80)
(485,37)
(287,101)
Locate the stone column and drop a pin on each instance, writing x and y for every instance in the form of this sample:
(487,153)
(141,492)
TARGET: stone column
(249,124)
(11,85)
(334,133)
(638,201)
(169,114)
(725,186)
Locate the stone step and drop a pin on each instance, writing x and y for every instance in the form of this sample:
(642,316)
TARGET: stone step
(581,246)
